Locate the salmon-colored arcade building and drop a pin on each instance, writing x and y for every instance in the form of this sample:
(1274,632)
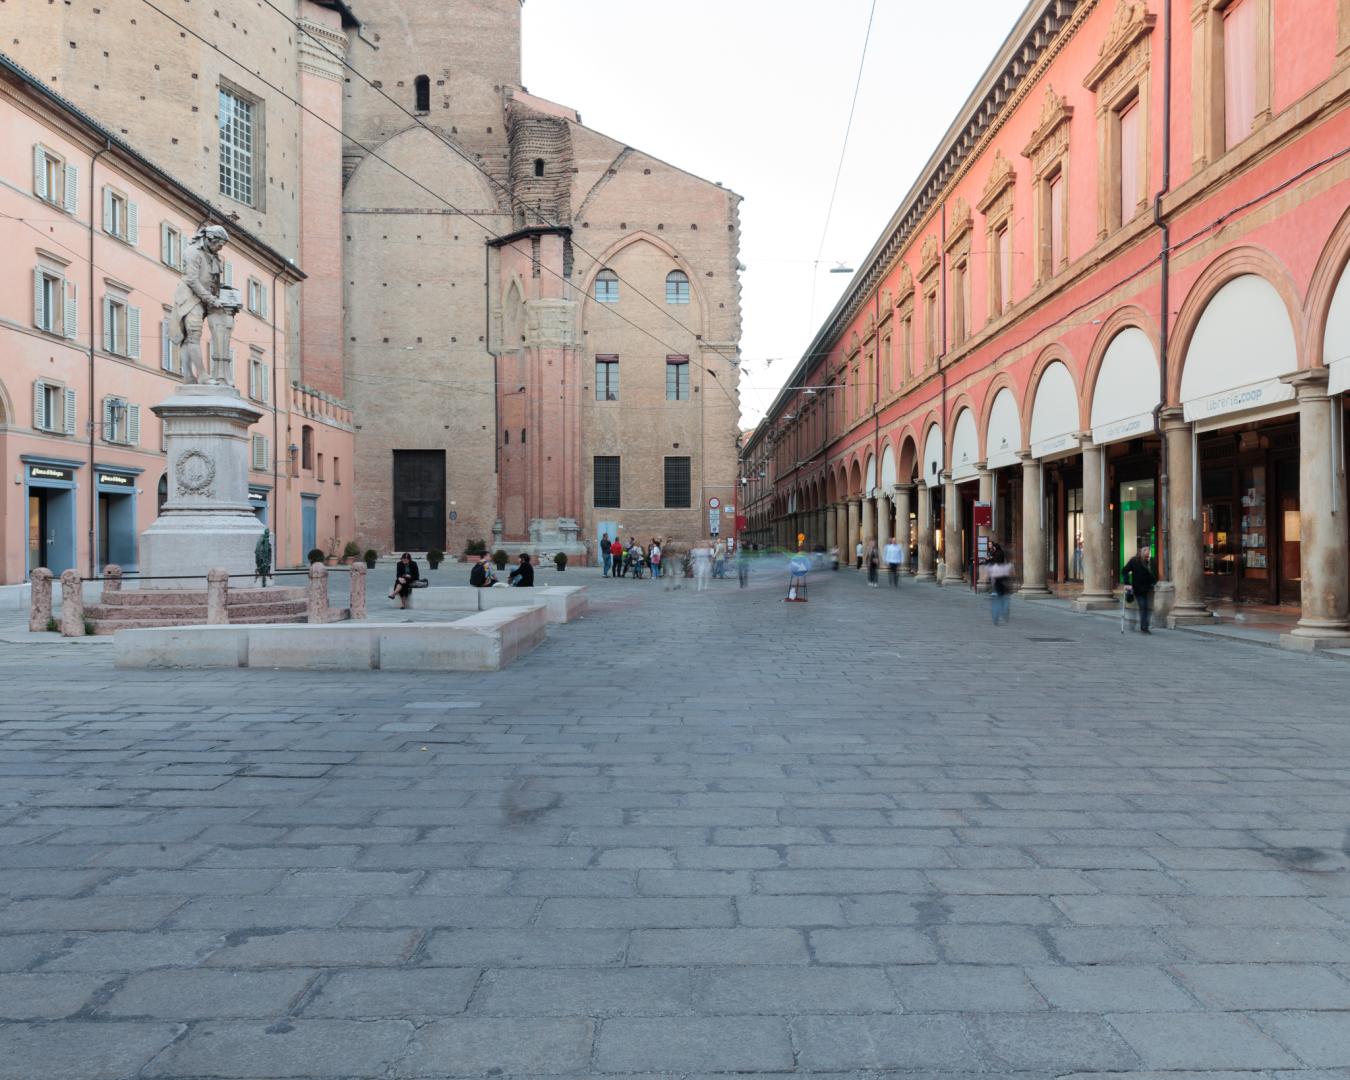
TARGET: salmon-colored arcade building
(1115,306)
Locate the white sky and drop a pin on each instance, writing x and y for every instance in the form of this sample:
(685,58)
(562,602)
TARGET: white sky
(755,94)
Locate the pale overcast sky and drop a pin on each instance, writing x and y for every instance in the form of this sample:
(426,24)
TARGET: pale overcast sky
(755,94)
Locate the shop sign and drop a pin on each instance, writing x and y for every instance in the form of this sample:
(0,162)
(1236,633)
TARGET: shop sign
(48,472)
(1056,445)
(1242,399)
(257,496)
(1128,428)
(112,479)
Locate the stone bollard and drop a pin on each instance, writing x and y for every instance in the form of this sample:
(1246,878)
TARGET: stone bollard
(358,589)
(317,600)
(40,614)
(112,578)
(217,597)
(72,604)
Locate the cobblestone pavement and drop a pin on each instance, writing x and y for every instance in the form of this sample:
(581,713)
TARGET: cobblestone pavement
(692,835)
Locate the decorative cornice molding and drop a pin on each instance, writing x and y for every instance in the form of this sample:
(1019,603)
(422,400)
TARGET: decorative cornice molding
(321,49)
(1055,113)
(960,223)
(1130,22)
(1001,176)
(928,256)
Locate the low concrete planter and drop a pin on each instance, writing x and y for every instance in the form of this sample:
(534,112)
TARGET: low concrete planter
(485,641)
(564,602)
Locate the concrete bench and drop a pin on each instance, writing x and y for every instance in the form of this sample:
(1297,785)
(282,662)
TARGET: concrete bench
(564,602)
(484,641)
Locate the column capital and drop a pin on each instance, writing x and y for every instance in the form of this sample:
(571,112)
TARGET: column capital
(983,466)
(945,476)
(1024,456)
(1309,385)
(1172,418)
(904,489)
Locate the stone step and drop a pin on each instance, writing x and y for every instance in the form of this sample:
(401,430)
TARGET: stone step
(196,598)
(265,612)
(109,626)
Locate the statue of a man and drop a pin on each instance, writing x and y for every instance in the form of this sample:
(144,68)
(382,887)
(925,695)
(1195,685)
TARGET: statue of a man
(202,297)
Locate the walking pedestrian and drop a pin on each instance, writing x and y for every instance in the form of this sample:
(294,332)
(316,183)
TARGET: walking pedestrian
(616,556)
(702,557)
(654,558)
(605,553)
(858,553)
(1000,584)
(1139,581)
(743,565)
(873,561)
(893,556)
(719,560)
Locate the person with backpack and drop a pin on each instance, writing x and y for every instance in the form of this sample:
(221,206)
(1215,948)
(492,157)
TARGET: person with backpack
(1140,581)
(1000,584)
(481,576)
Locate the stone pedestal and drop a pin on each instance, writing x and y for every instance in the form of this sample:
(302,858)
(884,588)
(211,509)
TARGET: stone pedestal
(1033,531)
(925,513)
(952,556)
(904,493)
(1097,594)
(1185,553)
(207,521)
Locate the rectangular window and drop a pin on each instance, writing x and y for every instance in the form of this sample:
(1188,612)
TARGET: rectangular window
(337,472)
(318,472)
(121,328)
(170,246)
(677,378)
(907,343)
(606,378)
(257,377)
(888,363)
(170,352)
(48,293)
(257,298)
(1239,70)
(1128,121)
(930,345)
(260,454)
(236,146)
(54,181)
(120,216)
(121,421)
(1002,270)
(607,287)
(606,481)
(53,407)
(960,302)
(1054,223)
(678,486)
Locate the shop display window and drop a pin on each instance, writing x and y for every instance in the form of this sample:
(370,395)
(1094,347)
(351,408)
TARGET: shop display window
(1254,536)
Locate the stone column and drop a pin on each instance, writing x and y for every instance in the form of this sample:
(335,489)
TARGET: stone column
(869,522)
(854,519)
(40,597)
(903,494)
(1098,576)
(885,523)
(72,604)
(1185,547)
(1033,530)
(953,557)
(358,591)
(317,598)
(217,596)
(986,495)
(1324,546)
(925,516)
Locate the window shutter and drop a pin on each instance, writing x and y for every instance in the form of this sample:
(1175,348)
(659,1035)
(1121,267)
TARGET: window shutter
(70,412)
(165,255)
(260,452)
(108,342)
(40,404)
(227,274)
(134,332)
(165,346)
(107,211)
(40,172)
(71,310)
(262,296)
(39,312)
(72,189)
(266,378)
(108,431)
(133,227)
(134,425)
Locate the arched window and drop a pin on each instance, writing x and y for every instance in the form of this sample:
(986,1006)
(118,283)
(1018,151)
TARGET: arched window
(538,166)
(422,88)
(677,287)
(162,494)
(607,287)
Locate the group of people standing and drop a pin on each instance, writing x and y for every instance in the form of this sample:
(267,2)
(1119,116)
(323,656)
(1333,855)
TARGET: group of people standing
(622,560)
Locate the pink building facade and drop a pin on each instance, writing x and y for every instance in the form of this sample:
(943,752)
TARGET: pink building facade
(1115,307)
(93,234)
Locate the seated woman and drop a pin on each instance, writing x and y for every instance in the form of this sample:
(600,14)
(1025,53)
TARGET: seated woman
(404,576)
(523,575)
(481,576)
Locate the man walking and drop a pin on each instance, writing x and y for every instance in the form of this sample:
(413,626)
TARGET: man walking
(604,551)
(892,555)
(858,553)
(1139,581)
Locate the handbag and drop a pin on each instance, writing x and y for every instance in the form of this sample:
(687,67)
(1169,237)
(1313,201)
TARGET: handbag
(420,583)
(1129,596)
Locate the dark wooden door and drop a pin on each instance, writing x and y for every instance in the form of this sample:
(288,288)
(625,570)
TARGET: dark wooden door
(419,500)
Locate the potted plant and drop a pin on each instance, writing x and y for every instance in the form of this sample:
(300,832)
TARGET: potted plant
(434,558)
(371,556)
(560,560)
(501,558)
(331,557)
(351,552)
(475,548)
(315,555)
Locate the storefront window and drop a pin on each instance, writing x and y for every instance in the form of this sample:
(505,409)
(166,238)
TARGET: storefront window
(1138,520)
(1073,533)
(1255,540)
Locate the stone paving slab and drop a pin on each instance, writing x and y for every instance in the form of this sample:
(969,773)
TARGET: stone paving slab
(868,838)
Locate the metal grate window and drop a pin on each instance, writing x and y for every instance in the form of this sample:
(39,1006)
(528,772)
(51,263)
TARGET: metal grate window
(678,485)
(606,378)
(236,147)
(606,481)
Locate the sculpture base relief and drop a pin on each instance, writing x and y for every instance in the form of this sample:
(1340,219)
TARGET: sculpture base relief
(207,522)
